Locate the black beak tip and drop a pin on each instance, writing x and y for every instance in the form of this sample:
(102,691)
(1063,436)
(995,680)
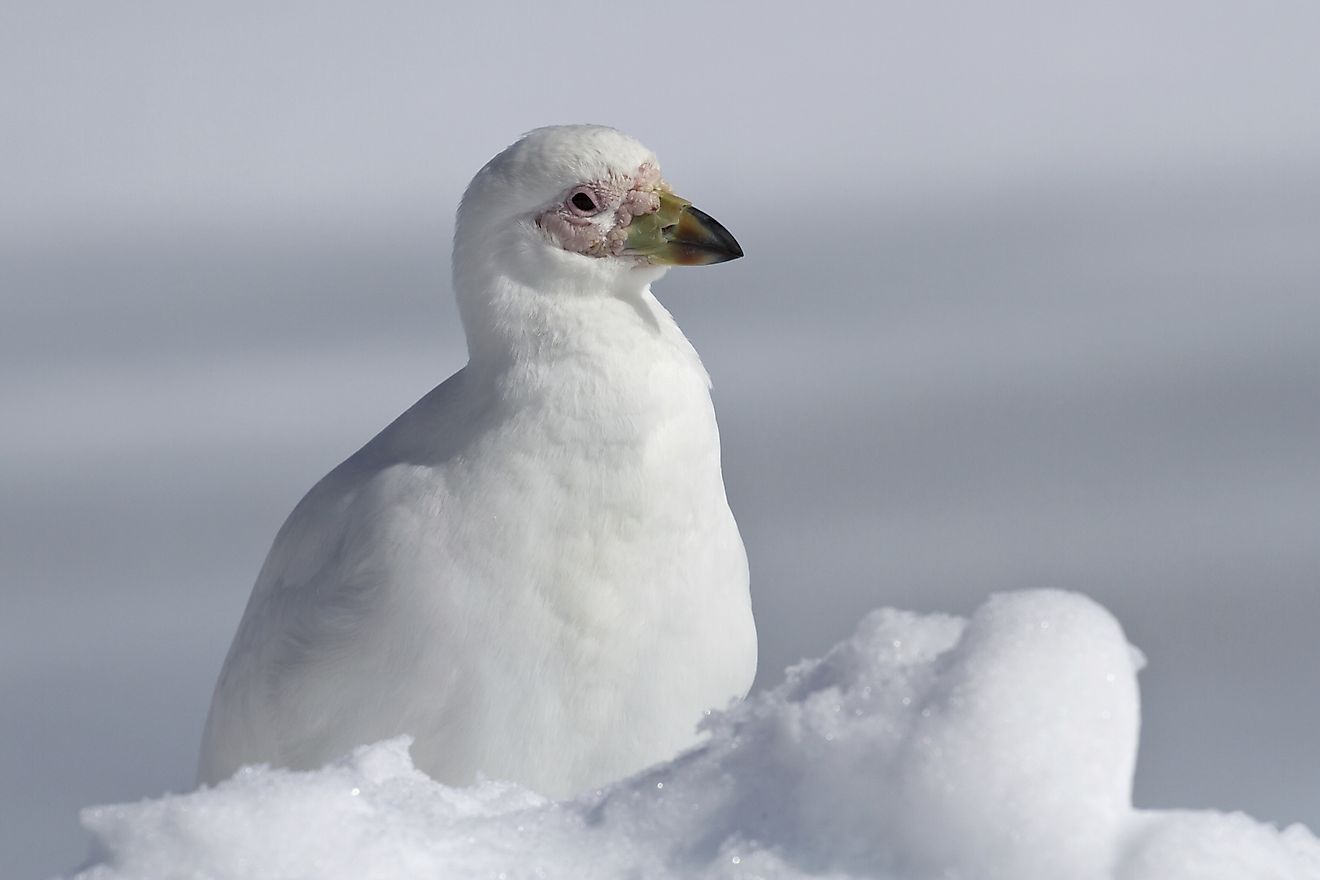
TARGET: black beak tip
(718,240)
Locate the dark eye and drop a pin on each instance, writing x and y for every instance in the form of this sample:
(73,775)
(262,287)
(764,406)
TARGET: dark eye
(583,202)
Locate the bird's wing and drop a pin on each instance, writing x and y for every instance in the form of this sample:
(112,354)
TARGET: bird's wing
(290,605)
(287,673)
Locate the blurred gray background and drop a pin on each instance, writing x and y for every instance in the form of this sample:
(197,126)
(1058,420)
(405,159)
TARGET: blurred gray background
(1032,298)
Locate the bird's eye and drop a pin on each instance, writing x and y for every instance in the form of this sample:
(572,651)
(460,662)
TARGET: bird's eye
(583,201)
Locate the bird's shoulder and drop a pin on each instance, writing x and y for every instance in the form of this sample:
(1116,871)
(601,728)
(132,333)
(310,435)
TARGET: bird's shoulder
(406,462)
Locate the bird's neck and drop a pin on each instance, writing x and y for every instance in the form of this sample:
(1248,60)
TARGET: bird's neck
(599,332)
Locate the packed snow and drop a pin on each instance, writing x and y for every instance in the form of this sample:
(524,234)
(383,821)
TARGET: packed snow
(924,746)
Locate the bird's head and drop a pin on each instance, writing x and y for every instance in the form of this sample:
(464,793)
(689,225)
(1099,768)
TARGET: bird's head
(582,207)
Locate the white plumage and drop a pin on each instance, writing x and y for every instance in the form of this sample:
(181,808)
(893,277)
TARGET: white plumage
(534,570)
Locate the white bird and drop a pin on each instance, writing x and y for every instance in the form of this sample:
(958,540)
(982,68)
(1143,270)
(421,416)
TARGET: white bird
(534,570)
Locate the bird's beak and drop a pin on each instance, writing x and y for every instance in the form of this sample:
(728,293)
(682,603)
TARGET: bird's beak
(680,235)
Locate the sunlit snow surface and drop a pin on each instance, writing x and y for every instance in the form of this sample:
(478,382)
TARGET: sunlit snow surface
(924,746)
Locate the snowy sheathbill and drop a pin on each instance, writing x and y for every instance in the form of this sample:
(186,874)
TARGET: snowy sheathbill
(534,570)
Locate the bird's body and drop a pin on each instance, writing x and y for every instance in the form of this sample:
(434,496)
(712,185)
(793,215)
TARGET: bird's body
(534,570)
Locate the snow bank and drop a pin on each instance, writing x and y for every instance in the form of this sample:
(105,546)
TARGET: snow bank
(924,746)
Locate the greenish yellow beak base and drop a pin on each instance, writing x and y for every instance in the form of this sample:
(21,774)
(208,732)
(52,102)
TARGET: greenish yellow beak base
(680,235)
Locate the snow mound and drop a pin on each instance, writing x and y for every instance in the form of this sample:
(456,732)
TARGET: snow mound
(925,746)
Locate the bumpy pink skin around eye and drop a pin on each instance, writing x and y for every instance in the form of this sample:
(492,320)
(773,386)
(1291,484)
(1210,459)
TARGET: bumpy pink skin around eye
(583,234)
